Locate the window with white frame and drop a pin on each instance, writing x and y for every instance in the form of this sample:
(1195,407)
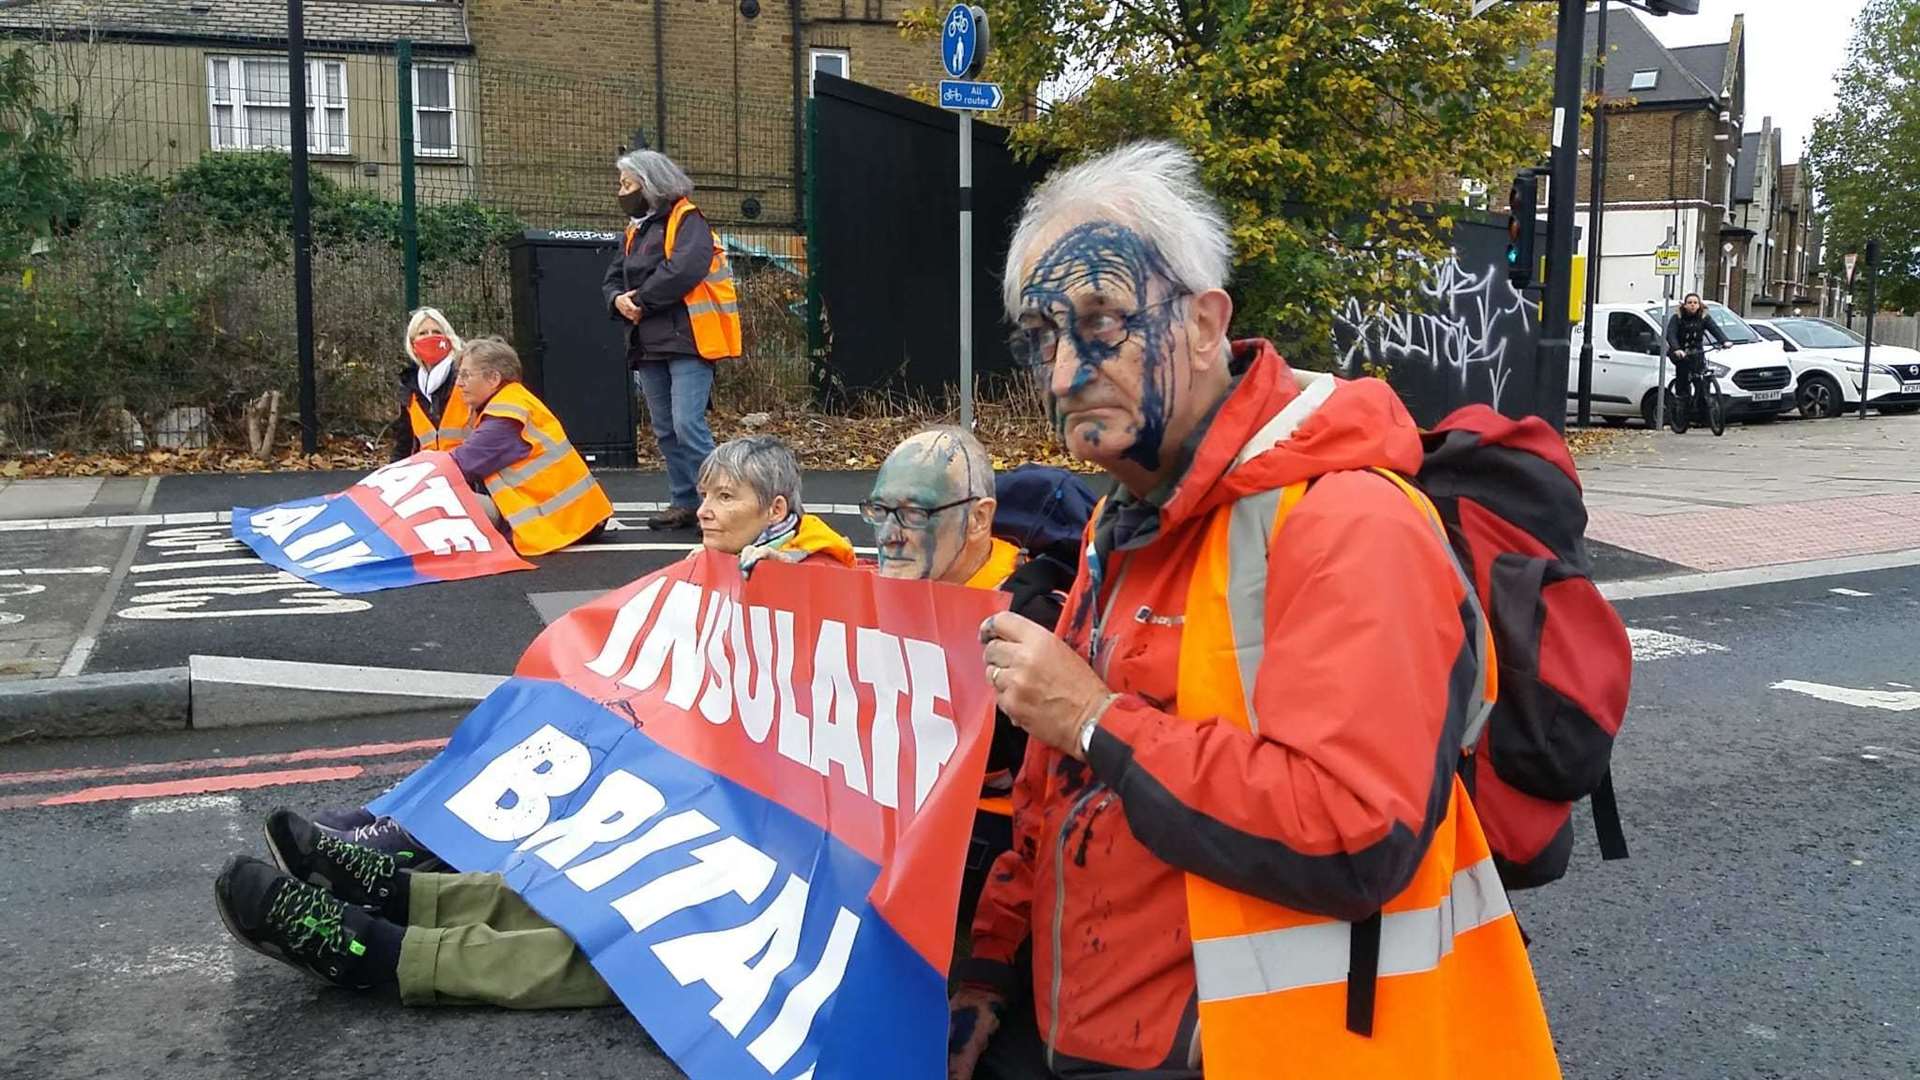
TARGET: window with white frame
(833,62)
(435,131)
(249,104)
(1645,80)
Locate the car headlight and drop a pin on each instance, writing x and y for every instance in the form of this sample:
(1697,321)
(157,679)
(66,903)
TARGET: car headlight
(1720,371)
(1882,369)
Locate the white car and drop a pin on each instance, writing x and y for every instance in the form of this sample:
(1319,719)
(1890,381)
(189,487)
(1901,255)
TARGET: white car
(1754,373)
(1826,359)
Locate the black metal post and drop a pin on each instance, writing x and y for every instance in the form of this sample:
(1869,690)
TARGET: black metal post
(1873,301)
(409,216)
(1596,209)
(302,227)
(1556,314)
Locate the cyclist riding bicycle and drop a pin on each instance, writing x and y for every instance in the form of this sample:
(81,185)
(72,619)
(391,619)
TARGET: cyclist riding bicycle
(1687,331)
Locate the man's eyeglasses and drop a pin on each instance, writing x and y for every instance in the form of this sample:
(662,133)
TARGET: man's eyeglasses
(909,517)
(1037,340)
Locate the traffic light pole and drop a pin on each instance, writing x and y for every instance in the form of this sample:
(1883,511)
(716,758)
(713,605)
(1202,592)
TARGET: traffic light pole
(1556,317)
(1873,308)
(1596,213)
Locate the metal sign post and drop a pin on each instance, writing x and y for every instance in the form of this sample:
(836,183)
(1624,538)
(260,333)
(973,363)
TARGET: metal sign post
(1873,300)
(963,48)
(1666,263)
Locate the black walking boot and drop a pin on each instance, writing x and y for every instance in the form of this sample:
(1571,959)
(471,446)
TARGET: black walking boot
(303,927)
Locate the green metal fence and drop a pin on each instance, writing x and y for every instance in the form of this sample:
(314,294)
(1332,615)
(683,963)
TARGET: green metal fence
(165,303)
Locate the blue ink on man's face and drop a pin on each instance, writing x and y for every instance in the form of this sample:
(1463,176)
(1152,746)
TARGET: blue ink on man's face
(1106,268)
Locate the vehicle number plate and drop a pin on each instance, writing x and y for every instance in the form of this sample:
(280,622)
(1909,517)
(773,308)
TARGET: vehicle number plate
(1766,395)
(1910,387)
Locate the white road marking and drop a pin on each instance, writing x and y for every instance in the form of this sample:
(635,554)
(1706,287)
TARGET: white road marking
(1849,592)
(1901,685)
(148,568)
(213,961)
(1890,700)
(53,571)
(1651,645)
(184,804)
(588,549)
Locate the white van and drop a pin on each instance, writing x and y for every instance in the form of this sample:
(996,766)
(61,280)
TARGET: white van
(1754,373)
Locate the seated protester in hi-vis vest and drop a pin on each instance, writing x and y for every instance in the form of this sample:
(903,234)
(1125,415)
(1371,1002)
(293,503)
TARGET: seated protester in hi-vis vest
(750,507)
(435,415)
(932,508)
(518,453)
(1241,846)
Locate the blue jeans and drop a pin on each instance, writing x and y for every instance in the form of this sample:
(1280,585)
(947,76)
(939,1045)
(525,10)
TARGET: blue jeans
(677,390)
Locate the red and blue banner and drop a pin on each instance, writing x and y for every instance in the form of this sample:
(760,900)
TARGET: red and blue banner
(409,523)
(748,803)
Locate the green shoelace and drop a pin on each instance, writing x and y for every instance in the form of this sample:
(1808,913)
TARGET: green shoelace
(371,870)
(310,921)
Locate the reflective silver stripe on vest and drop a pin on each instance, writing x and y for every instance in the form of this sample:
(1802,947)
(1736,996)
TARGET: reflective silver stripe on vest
(707,307)
(1249,530)
(449,432)
(552,452)
(566,497)
(509,410)
(1318,954)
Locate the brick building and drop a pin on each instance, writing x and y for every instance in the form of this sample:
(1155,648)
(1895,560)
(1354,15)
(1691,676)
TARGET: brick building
(720,85)
(1674,119)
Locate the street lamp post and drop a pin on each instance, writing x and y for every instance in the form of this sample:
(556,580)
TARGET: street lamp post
(1596,201)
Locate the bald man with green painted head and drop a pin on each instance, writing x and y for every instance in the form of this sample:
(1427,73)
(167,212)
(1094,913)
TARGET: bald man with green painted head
(932,509)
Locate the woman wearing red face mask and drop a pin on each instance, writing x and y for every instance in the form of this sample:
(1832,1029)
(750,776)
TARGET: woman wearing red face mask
(435,416)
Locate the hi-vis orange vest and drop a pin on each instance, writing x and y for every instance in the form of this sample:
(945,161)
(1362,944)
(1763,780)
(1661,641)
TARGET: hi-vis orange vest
(713,306)
(547,498)
(456,422)
(1454,995)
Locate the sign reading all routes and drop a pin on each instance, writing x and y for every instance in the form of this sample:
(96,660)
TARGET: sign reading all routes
(970,96)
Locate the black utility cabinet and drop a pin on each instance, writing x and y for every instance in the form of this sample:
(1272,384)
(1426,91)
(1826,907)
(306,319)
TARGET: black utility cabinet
(574,353)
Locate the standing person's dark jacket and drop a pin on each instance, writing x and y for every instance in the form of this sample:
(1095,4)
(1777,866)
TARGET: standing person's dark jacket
(664,329)
(1688,331)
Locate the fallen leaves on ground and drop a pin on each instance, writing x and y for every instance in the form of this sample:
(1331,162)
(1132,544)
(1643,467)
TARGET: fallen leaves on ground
(350,454)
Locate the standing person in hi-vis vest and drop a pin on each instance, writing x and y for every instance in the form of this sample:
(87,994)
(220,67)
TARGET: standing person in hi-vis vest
(519,455)
(671,282)
(1241,847)
(435,415)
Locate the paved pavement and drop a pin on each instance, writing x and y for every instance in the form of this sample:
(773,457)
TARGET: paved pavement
(1763,927)
(1761,495)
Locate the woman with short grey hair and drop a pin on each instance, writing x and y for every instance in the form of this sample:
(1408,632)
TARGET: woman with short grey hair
(670,282)
(750,506)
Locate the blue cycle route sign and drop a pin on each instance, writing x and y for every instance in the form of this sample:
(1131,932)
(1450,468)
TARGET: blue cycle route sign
(960,42)
(970,96)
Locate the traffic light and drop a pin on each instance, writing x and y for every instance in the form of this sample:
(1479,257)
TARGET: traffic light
(1523,201)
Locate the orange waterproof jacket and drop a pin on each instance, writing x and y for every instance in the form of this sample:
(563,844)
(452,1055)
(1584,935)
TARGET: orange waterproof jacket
(1337,800)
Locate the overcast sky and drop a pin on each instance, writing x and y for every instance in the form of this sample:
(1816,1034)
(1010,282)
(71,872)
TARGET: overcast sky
(1794,50)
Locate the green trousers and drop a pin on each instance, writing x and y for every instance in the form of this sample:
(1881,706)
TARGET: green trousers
(471,940)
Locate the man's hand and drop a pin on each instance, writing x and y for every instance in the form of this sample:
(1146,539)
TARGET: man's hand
(628,310)
(973,1015)
(1039,681)
(752,554)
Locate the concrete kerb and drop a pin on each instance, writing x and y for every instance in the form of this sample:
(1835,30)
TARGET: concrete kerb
(108,704)
(229,691)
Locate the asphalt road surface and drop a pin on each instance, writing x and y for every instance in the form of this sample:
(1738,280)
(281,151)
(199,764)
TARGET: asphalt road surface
(1764,927)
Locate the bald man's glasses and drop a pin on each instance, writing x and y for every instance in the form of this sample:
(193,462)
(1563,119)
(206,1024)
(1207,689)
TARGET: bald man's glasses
(909,517)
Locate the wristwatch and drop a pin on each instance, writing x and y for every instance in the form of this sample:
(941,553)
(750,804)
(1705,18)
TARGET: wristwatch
(1093,721)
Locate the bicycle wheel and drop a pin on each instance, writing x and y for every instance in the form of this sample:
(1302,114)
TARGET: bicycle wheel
(1677,410)
(1716,405)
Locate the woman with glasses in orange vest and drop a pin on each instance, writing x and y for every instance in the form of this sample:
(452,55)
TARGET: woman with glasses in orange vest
(671,283)
(519,455)
(435,416)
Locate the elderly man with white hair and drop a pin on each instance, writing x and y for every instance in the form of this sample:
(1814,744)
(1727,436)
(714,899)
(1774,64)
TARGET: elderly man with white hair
(1240,847)
(671,282)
